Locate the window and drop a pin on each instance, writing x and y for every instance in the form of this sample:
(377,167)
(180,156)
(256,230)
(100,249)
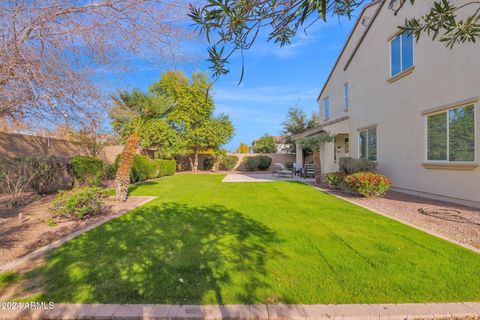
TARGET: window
(326,108)
(401,53)
(347,147)
(368,144)
(451,135)
(345,94)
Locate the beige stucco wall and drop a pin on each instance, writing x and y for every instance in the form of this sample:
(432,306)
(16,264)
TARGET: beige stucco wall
(441,77)
(13,145)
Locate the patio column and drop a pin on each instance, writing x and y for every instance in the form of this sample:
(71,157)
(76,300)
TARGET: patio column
(298,154)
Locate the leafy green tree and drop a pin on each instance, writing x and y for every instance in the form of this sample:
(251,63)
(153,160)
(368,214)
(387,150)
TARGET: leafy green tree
(234,25)
(242,148)
(314,143)
(161,136)
(193,120)
(132,112)
(265,144)
(297,121)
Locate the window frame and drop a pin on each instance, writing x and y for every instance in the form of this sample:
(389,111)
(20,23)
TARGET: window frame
(366,129)
(402,70)
(326,107)
(475,130)
(346,96)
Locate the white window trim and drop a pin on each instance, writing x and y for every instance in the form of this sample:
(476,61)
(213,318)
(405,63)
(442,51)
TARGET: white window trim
(325,116)
(365,129)
(475,129)
(401,56)
(346,97)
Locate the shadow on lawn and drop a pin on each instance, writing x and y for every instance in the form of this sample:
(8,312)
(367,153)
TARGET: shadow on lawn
(171,253)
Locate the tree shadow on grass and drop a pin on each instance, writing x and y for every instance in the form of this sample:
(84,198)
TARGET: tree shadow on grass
(171,253)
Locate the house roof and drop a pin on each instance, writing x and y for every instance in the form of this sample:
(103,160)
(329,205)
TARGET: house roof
(319,129)
(374,2)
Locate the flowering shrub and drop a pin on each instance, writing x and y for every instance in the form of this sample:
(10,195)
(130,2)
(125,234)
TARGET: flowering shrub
(367,184)
(335,179)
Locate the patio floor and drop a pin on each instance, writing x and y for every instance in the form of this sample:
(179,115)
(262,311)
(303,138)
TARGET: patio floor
(261,177)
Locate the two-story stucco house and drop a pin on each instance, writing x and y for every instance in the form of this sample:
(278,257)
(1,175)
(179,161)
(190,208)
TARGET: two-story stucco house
(410,106)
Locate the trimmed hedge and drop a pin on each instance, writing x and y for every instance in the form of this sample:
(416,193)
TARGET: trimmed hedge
(165,167)
(228,162)
(349,165)
(144,168)
(87,171)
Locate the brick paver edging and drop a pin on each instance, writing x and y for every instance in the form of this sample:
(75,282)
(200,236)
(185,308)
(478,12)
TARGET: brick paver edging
(436,234)
(467,310)
(43,250)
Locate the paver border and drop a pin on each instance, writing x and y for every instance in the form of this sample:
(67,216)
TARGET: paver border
(9,266)
(457,310)
(431,232)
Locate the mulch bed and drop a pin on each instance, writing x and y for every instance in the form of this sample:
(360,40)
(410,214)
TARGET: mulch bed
(453,221)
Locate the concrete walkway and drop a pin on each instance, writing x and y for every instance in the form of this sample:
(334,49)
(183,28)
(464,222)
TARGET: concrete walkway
(260,177)
(467,310)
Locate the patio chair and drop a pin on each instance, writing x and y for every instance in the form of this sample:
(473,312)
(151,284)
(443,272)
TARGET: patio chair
(281,171)
(297,169)
(308,171)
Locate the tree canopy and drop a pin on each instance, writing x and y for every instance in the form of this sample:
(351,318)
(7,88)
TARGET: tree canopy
(191,127)
(265,144)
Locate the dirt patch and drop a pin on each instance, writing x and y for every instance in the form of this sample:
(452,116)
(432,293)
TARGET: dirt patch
(453,221)
(28,228)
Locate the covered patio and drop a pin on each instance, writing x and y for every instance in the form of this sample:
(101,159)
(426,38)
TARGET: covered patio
(330,152)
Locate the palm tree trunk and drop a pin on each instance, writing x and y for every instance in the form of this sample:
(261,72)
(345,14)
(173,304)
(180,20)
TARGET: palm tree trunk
(317,166)
(122,180)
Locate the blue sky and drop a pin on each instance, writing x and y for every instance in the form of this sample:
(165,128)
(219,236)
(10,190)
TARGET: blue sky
(275,78)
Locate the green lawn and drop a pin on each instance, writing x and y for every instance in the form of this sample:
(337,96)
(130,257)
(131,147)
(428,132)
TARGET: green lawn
(204,241)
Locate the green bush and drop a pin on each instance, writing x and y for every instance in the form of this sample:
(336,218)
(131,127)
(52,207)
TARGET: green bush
(165,167)
(367,184)
(334,179)
(50,174)
(208,163)
(228,162)
(78,203)
(264,162)
(109,171)
(251,163)
(349,165)
(257,163)
(87,171)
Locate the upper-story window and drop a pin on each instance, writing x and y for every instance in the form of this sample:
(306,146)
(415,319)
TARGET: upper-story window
(451,135)
(345,95)
(401,53)
(326,108)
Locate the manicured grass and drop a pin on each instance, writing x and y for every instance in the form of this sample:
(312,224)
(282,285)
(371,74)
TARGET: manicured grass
(204,241)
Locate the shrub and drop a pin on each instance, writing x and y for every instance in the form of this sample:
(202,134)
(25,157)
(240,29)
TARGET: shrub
(79,203)
(50,173)
(251,163)
(264,162)
(334,179)
(228,162)
(349,165)
(142,168)
(367,184)
(165,167)
(208,163)
(109,171)
(87,171)
(257,163)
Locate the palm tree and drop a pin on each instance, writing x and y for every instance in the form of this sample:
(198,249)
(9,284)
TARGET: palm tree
(132,111)
(314,143)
